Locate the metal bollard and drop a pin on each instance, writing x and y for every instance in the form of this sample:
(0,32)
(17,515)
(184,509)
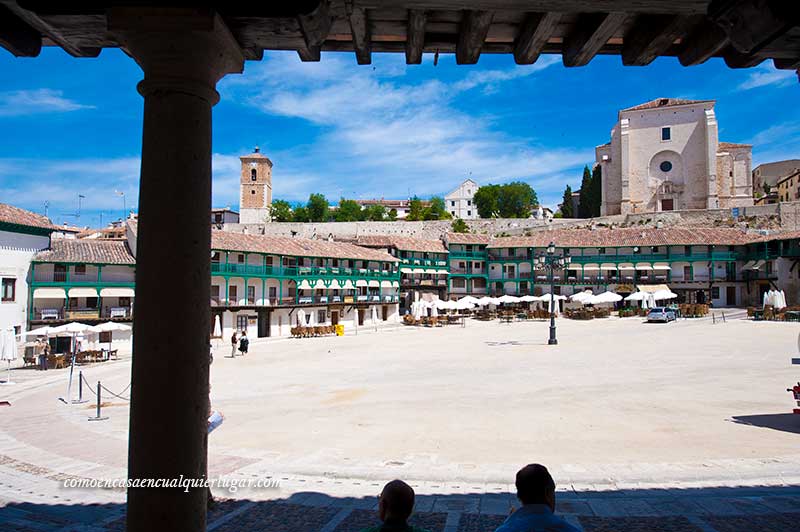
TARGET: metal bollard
(723,317)
(98,417)
(80,398)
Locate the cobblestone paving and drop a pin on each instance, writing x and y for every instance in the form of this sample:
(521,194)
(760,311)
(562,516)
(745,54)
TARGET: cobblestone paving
(279,517)
(360,519)
(638,524)
(782,522)
(479,523)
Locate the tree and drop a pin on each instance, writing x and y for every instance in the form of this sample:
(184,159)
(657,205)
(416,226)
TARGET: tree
(300,214)
(281,211)
(416,211)
(392,215)
(516,200)
(348,211)
(460,226)
(318,208)
(566,205)
(584,206)
(596,190)
(437,210)
(485,200)
(375,213)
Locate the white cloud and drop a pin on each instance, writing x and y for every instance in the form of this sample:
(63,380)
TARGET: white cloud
(36,101)
(387,136)
(765,75)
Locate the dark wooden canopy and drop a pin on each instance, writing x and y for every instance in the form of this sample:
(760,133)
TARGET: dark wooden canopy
(743,32)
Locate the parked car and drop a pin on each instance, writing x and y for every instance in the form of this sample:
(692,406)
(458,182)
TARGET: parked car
(662,314)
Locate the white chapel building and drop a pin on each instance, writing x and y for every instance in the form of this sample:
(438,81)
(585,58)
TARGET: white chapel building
(459,202)
(665,155)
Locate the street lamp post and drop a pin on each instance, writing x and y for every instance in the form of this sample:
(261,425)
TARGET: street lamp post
(550,261)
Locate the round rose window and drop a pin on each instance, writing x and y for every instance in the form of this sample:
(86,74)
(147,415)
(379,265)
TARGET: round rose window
(665,166)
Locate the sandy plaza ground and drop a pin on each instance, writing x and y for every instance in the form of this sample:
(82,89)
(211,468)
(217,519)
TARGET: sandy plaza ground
(619,403)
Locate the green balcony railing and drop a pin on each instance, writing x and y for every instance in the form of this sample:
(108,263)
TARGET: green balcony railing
(660,257)
(475,255)
(220,268)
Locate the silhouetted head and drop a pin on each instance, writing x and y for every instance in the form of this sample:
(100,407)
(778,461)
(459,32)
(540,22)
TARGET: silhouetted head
(396,502)
(536,486)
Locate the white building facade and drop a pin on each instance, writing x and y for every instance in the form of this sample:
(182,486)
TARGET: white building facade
(459,202)
(665,155)
(22,234)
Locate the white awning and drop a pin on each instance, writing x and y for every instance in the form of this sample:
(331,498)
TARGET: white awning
(386,284)
(373,283)
(319,284)
(608,267)
(82,292)
(430,270)
(574,266)
(348,285)
(117,292)
(643,266)
(49,293)
(304,285)
(661,266)
(442,272)
(334,285)
(748,264)
(395,284)
(758,264)
(406,270)
(626,266)
(591,267)
(361,282)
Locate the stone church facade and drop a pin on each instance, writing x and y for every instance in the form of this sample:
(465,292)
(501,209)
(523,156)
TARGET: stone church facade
(665,155)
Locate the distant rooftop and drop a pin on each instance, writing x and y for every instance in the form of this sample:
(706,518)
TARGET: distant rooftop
(664,102)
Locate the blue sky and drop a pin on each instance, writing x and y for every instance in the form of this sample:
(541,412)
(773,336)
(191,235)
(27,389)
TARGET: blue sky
(73,126)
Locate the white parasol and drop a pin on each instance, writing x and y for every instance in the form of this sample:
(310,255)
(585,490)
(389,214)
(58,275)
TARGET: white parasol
(529,298)
(582,297)
(8,351)
(505,298)
(217,327)
(301,317)
(604,298)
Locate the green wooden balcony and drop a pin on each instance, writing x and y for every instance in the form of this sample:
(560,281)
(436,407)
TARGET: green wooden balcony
(659,257)
(250,270)
(424,263)
(474,255)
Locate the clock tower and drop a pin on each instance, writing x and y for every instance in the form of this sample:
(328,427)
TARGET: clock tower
(255,188)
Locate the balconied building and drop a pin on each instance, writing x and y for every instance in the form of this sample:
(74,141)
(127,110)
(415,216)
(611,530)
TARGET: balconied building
(259,284)
(721,266)
(469,272)
(423,265)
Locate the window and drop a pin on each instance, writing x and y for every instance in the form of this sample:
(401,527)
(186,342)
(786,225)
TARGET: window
(273,292)
(214,293)
(715,292)
(452,203)
(321,316)
(253,175)
(251,295)
(687,273)
(453,213)
(233,296)
(217,218)
(469,213)
(469,202)
(80,269)
(665,166)
(126,301)
(9,289)
(666,134)
(459,282)
(240,258)
(252,192)
(91,302)
(687,250)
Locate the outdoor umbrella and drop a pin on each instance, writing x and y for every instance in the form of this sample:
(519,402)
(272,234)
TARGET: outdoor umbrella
(8,351)
(505,298)
(485,300)
(217,327)
(528,299)
(41,331)
(605,297)
(113,326)
(469,299)
(660,295)
(582,297)
(301,317)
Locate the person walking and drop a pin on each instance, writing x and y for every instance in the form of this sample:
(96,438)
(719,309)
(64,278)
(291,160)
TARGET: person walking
(43,348)
(244,343)
(234,343)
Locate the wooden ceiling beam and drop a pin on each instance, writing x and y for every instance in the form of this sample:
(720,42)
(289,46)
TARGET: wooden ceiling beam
(309,54)
(652,35)
(472,34)
(590,34)
(787,64)
(316,25)
(735,59)
(18,37)
(38,24)
(703,42)
(753,24)
(415,36)
(533,35)
(360,30)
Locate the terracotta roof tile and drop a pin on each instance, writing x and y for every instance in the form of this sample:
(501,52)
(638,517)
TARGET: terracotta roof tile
(467,238)
(664,102)
(15,215)
(295,247)
(402,243)
(729,145)
(88,251)
(623,237)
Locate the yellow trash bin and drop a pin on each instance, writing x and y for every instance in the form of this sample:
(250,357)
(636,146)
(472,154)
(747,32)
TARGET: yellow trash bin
(340,330)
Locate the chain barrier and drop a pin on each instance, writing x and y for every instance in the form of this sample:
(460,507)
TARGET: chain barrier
(119,396)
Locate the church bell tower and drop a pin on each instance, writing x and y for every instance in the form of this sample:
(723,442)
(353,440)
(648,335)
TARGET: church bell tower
(255,188)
